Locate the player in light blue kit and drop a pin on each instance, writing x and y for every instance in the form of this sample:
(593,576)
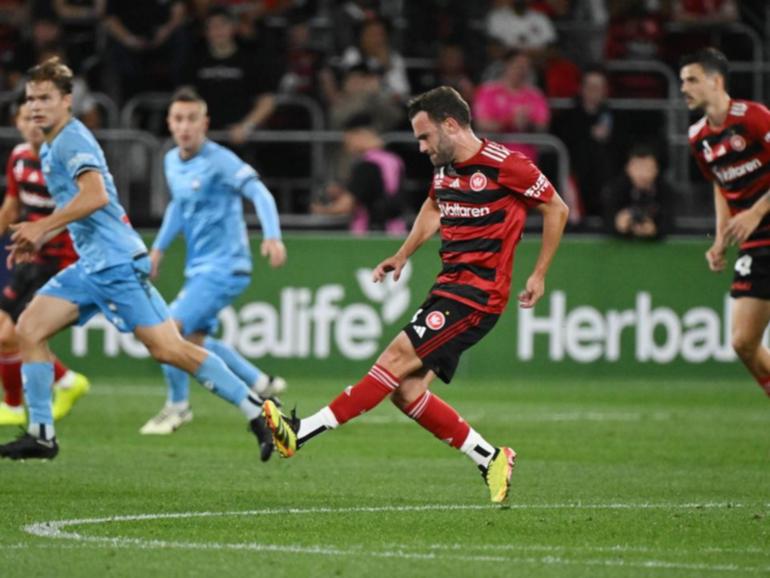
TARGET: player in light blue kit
(110,276)
(208,183)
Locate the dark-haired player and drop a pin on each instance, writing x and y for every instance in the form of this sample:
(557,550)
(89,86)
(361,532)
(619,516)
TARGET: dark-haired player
(731,144)
(478,201)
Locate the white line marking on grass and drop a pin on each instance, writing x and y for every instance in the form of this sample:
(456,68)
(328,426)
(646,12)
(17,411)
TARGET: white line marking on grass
(56,530)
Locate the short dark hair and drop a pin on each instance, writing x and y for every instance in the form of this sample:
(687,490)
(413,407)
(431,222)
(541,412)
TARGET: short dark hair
(710,59)
(361,120)
(54,70)
(440,104)
(643,150)
(222,11)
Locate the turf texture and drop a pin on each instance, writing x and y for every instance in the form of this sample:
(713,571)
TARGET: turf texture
(614,479)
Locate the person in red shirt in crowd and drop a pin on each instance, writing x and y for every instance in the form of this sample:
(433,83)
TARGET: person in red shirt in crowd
(27,199)
(478,201)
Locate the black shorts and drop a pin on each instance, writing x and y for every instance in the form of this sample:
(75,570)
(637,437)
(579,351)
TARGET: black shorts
(751,277)
(26,279)
(442,329)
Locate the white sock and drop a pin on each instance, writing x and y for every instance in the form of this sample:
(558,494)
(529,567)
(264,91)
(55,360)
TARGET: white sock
(478,449)
(41,430)
(67,380)
(317,423)
(178,406)
(263,381)
(250,407)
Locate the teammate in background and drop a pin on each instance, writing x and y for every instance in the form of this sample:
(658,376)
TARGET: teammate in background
(207,184)
(110,276)
(478,200)
(27,198)
(731,145)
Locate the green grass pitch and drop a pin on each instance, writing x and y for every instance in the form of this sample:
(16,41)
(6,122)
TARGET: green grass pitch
(615,479)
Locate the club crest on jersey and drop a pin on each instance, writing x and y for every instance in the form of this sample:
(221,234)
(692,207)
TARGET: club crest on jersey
(435,320)
(478,181)
(737,142)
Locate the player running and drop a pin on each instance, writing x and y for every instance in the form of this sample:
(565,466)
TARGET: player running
(478,200)
(27,198)
(731,145)
(110,276)
(207,184)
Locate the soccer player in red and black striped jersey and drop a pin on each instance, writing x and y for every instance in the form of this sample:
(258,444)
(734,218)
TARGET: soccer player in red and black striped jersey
(478,201)
(27,199)
(731,144)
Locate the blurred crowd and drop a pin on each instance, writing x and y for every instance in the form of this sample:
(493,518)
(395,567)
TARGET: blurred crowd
(525,66)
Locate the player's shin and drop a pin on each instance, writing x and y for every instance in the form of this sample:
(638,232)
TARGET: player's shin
(38,379)
(178,382)
(234,360)
(363,396)
(215,376)
(10,372)
(443,421)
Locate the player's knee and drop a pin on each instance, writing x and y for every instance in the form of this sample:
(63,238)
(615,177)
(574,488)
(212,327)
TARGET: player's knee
(399,399)
(744,346)
(7,336)
(27,332)
(394,356)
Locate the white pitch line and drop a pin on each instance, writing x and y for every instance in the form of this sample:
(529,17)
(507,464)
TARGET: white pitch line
(55,529)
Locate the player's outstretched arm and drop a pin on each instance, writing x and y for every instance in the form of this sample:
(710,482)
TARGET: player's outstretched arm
(91,197)
(425,226)
(555,213)
(169,229)
(272,247)
(715,256)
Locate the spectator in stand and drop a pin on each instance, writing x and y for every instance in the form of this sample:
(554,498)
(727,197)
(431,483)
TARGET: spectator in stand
(372,197)
(587,131)
(375,50)
(636,33)
(704,12)
(80,20)
(13,16)
(147,45)
(451,70)
(639,203)
(518,26)
(699,20)
(44,32)
(237,81)
(512,104)
(348,19)
(361,93)
(304,60)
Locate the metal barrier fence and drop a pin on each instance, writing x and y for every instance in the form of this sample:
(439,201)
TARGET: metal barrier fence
(136,162)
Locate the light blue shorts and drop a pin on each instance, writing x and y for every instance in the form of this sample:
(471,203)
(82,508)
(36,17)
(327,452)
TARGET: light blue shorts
(123,293)
(203,297)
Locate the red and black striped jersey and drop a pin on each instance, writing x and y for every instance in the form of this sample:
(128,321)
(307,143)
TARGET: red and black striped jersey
(483,203)
(24,180)
(736,157)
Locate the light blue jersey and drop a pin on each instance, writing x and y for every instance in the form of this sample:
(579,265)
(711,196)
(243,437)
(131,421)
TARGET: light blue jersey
(104,238)
(207,192)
